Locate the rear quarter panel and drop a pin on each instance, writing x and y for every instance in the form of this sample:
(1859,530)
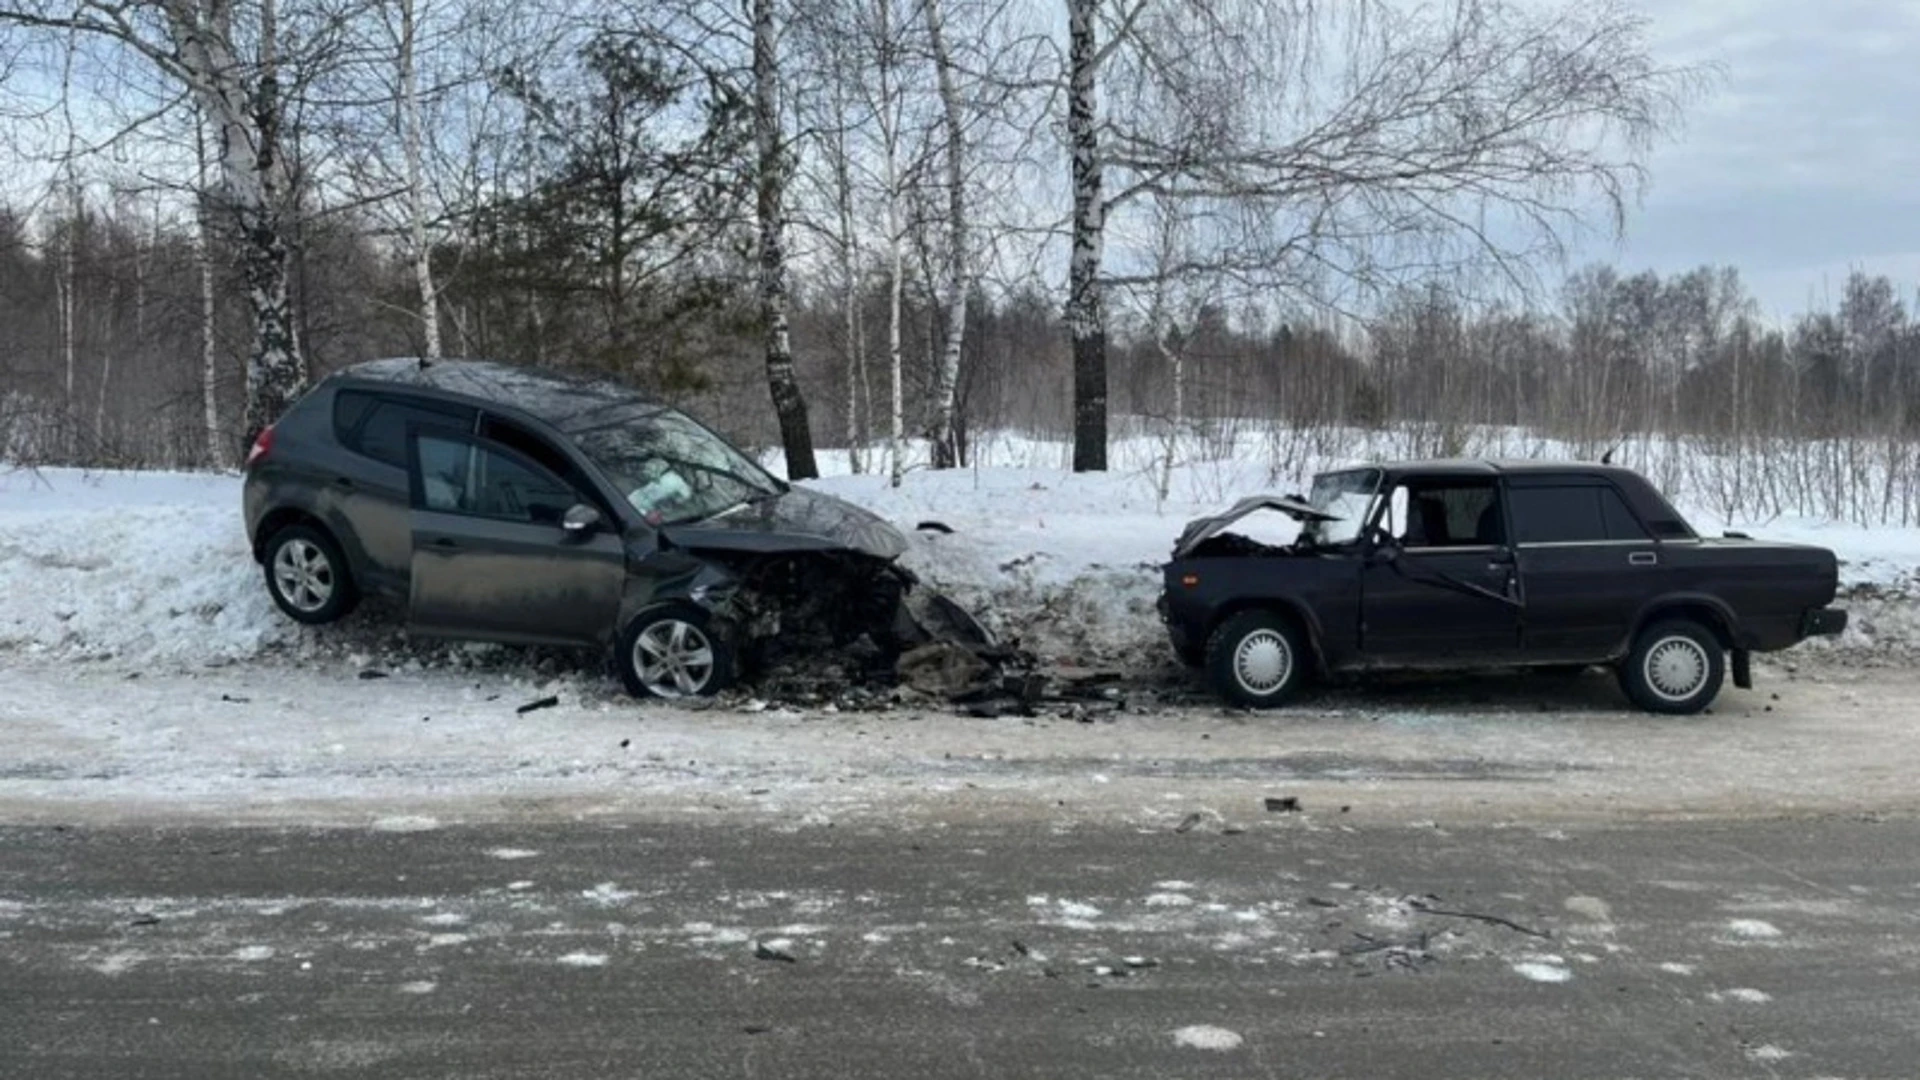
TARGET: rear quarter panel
(1767,587)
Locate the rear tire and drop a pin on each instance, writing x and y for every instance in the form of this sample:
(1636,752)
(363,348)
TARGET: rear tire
(1257,659)
(1675,667)
(307,575)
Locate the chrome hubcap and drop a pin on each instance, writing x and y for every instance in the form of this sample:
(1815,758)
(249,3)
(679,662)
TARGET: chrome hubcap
(1262,661)
(304,575)
(1676,668)
(674,659)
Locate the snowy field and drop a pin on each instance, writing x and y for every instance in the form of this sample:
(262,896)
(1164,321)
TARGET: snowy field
(151,569)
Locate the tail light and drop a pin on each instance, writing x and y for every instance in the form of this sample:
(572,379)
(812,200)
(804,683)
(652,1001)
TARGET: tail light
(262,445)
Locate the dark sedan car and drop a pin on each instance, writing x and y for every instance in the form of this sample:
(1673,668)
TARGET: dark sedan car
(516,505)
(1464,564)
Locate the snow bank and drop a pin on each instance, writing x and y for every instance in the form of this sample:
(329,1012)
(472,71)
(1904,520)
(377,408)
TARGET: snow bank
(153,568)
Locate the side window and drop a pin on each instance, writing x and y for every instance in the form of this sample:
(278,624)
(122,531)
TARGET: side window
(1452,515)
(1559,515)
(381,428)
(1621,524)
(349,409)
(457,476)
(446,469)
(542,453)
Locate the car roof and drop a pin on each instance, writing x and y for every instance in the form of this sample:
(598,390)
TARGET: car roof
(569,401)
(1489,467)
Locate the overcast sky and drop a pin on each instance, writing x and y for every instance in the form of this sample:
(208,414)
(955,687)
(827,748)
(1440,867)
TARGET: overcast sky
(1803,162)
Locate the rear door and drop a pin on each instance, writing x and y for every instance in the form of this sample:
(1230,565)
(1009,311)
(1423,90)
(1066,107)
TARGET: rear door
(489,557)
(1448,595)
(370,484)
(1587,564)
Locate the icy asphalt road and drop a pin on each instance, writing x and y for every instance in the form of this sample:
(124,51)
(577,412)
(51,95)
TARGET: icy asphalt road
(284,744)
(597,951)
(283,871)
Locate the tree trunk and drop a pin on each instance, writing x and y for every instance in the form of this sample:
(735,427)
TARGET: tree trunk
(789,404)
(946,371)
(411,136)
(66,298)
(890,139)
(209,360)
(849,252)
(1086,315)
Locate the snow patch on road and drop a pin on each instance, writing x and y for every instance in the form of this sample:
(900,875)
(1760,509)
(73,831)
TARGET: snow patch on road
(1768,1052)
(1674,968)
(418,986)
(1591,908)
(1207,1037)
(511,853)
(405,823)
(583,960)
(117,963)
(1543,969)
(253,954)
(1752,928)
(1744,995)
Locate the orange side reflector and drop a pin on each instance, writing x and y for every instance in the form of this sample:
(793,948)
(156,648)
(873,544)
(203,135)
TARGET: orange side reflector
(1190,580)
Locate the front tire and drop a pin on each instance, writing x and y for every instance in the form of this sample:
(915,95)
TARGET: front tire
(1675,667)
(307,575)
(674,654)
(1257,659)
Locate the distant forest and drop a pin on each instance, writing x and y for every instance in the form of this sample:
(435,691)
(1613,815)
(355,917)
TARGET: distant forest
(101,350)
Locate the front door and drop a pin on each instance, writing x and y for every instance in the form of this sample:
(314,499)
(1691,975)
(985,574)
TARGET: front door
(490,558)
(1448,594)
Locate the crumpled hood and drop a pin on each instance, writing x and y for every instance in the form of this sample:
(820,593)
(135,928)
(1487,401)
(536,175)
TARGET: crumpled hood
(1200,529)
(796,520)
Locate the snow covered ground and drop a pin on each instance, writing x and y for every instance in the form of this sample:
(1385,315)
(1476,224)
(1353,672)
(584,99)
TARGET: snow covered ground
(143,670)
(152,569)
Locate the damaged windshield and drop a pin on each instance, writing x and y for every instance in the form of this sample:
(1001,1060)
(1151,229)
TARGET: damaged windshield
(1348,496)
(668,466)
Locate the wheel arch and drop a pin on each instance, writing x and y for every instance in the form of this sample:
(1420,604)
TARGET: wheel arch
(1710,612)
(1291,609)
(282,516)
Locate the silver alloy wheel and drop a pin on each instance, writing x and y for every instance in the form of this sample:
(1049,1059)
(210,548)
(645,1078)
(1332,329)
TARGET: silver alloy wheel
(674,659)
(1676,667)
(304,575)
(1262,662)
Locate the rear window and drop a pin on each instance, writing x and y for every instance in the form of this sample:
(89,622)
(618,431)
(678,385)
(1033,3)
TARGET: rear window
(376,425)
(1572,514)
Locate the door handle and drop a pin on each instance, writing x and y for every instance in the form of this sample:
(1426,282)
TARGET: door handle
(1643,558)
(445,543)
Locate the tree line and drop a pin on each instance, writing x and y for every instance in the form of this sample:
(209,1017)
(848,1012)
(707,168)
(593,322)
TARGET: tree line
(814,204)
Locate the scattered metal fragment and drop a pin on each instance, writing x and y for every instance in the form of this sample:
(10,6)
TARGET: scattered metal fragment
(541,703)
(1424,908)
(1283,804)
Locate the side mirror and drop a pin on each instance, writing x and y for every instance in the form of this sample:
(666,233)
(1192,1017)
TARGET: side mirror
(580,519)
(1382,547)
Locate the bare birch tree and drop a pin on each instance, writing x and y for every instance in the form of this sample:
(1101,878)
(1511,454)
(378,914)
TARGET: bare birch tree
(772,171)
(1347,149)
(946,374)
(201,46)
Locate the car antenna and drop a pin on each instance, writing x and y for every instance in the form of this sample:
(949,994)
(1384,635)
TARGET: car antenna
(1607,458)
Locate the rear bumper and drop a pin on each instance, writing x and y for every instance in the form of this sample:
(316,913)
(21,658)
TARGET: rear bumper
(1823,622)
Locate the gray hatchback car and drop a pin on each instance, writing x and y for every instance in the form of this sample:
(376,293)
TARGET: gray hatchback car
(519,505)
